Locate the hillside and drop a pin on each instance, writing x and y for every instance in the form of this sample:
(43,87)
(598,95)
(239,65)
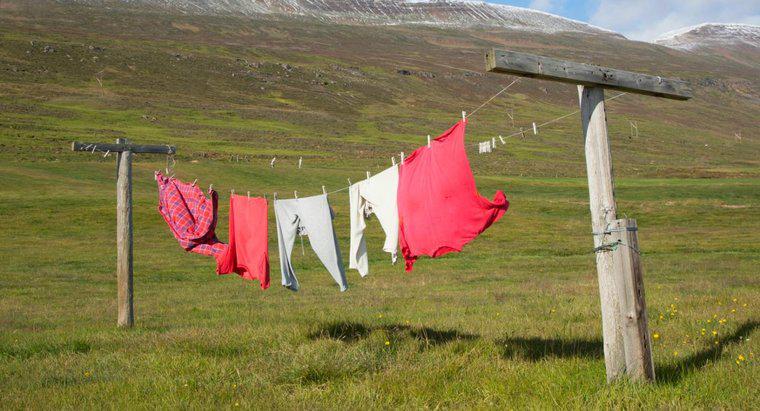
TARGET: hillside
(440,13)
(222,85)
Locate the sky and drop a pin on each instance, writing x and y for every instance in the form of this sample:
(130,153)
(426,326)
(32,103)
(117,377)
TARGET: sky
(647,20)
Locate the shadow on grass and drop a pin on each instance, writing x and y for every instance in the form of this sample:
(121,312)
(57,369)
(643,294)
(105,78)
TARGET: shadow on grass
(675,372)
(536,348)
(351,332)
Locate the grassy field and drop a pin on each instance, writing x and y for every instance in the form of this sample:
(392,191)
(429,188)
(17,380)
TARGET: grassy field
(512,322)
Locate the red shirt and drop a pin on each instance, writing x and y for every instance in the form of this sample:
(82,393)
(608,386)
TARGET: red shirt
(439,207)
(248,253)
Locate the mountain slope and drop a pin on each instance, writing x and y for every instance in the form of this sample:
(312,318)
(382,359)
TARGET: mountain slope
(442,13)
(710,35)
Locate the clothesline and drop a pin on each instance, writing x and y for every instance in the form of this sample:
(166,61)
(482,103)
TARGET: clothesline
(544,124)
(521,132)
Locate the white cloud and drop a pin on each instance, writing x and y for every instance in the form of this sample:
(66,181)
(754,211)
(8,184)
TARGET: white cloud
(546,5)
(648,19)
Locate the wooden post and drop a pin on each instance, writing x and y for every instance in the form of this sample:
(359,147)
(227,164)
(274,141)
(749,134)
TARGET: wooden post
(124,151)
(603,212)
(637,341)
(624,322)
(125,301)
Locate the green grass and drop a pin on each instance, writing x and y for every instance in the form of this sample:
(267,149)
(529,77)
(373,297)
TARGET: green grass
(511,322)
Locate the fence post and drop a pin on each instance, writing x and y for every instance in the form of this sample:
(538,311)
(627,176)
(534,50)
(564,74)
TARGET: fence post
(637,341)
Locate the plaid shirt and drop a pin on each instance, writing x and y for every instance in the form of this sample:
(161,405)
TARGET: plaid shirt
(190,215)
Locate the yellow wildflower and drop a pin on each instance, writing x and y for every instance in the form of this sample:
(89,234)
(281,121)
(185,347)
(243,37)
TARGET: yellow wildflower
(703,331)
(714,332)
(735,300)
(733,310)
(741,357)
(675,353)
(656,336)
(744,305)
(387,343)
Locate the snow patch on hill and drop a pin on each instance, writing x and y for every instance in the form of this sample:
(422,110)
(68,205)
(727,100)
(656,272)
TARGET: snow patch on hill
(443,13)
(710,35)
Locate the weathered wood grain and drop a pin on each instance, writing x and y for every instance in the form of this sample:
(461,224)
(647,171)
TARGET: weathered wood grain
(547,68)
(603,211)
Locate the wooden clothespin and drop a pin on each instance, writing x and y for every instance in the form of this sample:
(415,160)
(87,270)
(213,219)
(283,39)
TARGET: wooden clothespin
(493,142)
(295,194)
(249,195)
(393,160)
(428,140)
(210,188)
(368,174)
(464,116)
(522,132)
(232,192)
(274,195)
(349,181)
(300,162)
(502,139)
(535,129)
(324,191)
(402,157)
(194,181)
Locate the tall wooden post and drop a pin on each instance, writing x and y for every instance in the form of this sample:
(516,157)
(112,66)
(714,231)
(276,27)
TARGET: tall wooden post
(125,301)
(124,151)
(627,345)
(603,211)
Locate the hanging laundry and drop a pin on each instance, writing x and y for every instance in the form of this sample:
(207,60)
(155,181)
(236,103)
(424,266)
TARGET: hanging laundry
(247,253)
(440,209)
(310,216)
(376,195)
(190,215)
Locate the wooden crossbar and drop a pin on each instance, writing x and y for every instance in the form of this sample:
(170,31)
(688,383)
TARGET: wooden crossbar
(120,148)
(547,68)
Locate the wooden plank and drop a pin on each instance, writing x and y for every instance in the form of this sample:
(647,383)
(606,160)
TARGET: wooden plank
(637,341)
(547,68)
(125,303)
(603,211)
(118,148)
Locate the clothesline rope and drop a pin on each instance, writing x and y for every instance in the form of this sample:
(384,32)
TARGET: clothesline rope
(537,126)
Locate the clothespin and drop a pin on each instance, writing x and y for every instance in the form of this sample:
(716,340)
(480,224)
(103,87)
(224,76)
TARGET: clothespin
(232,192)
(300,162)
(367,174)
(210,188)
(195,181)
(464,116)
(349,181)
(502,139)
(295,194)
(493,142)
(535,129)
(107,153)
(324,191)
(96,146)
(271,163)
(402,157)
(393,160)
(249,195)
(274,195)
(522,132)
(428,140)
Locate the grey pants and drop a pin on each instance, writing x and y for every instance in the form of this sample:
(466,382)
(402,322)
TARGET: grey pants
(311,216)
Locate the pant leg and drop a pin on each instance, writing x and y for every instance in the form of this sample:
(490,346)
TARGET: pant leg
(357,258)
(316,216)
(287,226)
